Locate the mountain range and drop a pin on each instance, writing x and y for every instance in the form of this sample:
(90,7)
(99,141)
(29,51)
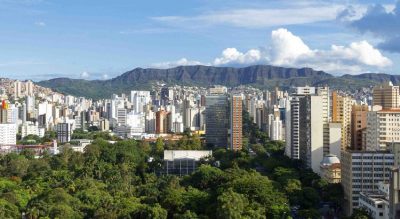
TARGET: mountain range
(260,76)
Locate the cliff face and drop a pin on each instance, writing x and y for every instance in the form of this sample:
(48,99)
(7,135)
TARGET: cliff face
(205,75)
(263,76)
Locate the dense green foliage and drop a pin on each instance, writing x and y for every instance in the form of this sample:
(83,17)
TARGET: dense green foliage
(119,181)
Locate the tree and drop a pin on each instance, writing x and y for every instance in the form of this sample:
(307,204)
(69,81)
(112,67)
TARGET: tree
(17,166)
(8,210)
(159,147)
(231,205)
(361,213)
(308,213)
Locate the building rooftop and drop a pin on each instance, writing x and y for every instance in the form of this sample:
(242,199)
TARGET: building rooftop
(330,159)
(171,155)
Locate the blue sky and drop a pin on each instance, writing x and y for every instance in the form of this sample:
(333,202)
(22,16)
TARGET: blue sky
(42,39)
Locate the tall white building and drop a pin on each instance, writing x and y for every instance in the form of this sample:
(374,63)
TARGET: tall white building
(17,89)
(29,128)
(335,139)
(276,129)
(8,134)
(323,92)
(12,114)
(311,132)
(137,122)
(139,100)
(288,128)
(29,88)
(121,116)
(383,127)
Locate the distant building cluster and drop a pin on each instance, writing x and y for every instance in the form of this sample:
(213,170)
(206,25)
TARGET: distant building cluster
(347,138)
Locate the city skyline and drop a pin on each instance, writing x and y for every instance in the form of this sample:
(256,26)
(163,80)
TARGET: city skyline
(43,39)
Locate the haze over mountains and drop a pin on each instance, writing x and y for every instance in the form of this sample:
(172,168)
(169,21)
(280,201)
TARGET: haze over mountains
(261,76)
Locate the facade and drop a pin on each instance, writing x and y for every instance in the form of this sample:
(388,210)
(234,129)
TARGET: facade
(335,139)
(358,125)
(311,132)
(323,92)
(64,132)
(183,162)
(383,127)
(236,122)
(341,112)
(18,89)
(387,96)
(161,122)
(29,129)
(276,130)
(394,193)
(139,100)
(217,120)
(376,204)
(121,116)
(8,134)
(104,125)
(294,130)
(362,171)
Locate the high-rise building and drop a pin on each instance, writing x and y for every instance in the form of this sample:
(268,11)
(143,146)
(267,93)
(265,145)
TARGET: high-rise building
(341,112)
(305,90)
(17,89)
(294,130)
(161,122)
(394,193)
(121,116)
(139,100)
(383,127)
(64,132)
(361,172)
(104,125)
(358,125)
(8,134)
(167,95)
(217,90)
(217,120)
(276,129)
(236,122)
(311,131)
(29,88)
(29,129)
(335,139)
(12,114)
(323,92)
(386,95)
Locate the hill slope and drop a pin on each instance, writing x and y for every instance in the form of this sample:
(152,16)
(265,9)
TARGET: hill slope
(262,76)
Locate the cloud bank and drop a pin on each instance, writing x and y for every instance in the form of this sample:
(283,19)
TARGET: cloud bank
(382,21)
(257,17)
(289,50)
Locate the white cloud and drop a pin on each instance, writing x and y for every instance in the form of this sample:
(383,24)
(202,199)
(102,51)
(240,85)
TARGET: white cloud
(85,74)
(40,23)
(287,49)
(257,18)
(180,62)
(232,55)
